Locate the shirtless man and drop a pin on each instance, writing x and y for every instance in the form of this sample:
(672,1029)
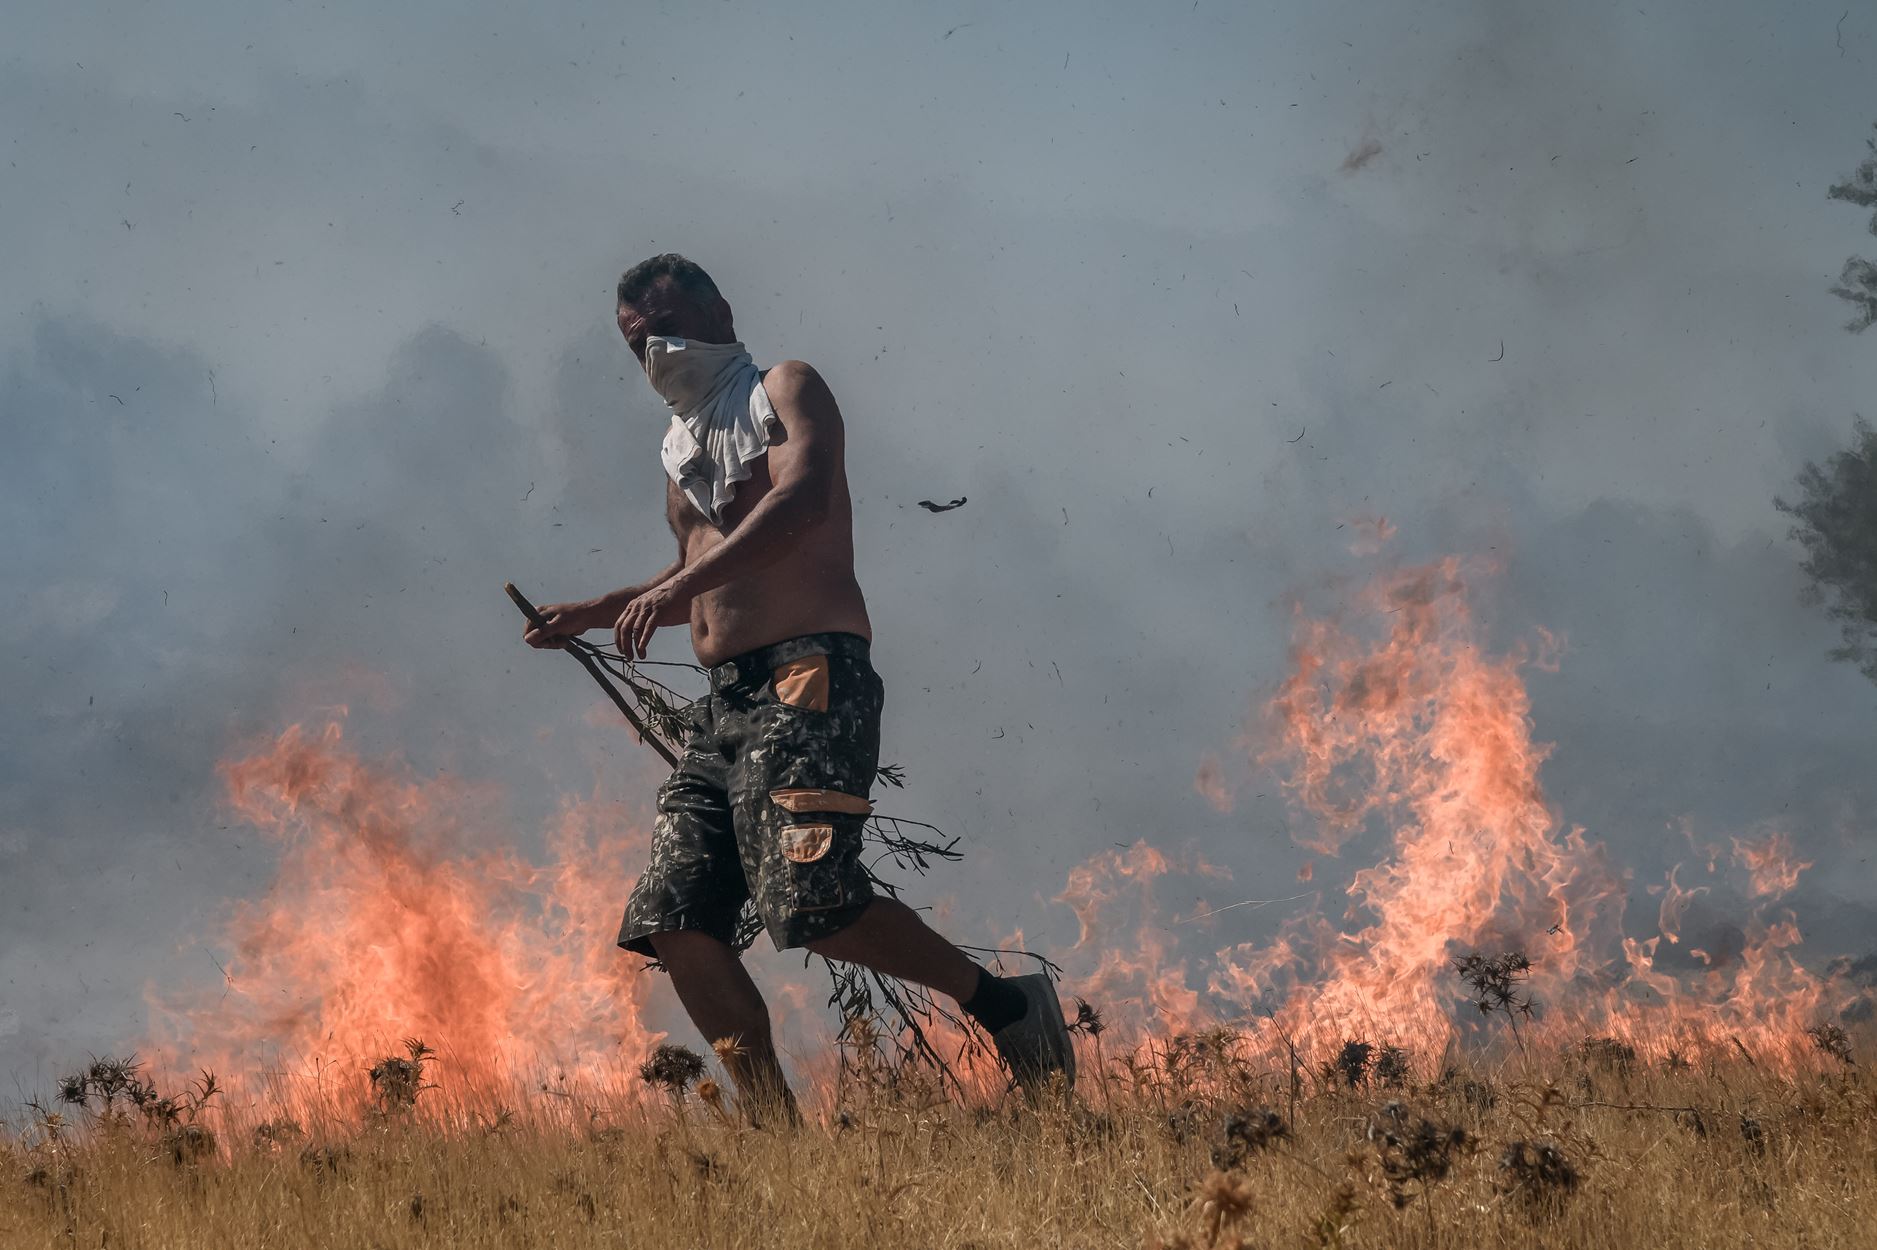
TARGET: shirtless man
(770,796)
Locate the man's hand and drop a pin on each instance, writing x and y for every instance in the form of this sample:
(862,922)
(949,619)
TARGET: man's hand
(566,620)
(569,620)
(667,603)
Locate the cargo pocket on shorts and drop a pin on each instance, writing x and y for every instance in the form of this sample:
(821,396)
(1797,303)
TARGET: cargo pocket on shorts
(803,683)
(804,844)
(818,834)
(806,832)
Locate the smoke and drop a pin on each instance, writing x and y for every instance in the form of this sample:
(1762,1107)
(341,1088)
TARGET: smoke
(302,375)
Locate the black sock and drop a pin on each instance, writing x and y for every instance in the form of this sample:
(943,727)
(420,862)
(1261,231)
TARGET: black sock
(996,1002)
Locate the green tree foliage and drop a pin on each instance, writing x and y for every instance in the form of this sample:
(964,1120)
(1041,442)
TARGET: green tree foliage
(1857,284)
(1835,520)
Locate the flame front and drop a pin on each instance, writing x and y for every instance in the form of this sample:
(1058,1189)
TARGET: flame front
(1400,726)
(1403,723)
(1424,732)
(387,921)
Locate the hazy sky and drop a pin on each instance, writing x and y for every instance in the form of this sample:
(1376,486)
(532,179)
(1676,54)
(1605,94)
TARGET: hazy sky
(309,348)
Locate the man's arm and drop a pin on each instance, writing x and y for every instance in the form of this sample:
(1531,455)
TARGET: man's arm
(570,620)
(803,470)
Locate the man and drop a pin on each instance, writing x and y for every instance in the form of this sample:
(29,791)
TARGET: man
(770,796)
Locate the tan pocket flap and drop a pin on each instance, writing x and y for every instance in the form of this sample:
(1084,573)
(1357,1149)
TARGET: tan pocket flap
(821,801)
(803,683)
(806,843)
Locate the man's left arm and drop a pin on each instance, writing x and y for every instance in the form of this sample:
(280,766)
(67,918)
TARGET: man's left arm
(803,469)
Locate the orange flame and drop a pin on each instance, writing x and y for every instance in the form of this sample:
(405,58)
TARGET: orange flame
(1407,725)
(395,914)
(387,920)
(1773,865)
(1141,976)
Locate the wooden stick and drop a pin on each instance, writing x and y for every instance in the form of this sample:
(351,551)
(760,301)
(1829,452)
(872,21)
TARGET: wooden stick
(592,666)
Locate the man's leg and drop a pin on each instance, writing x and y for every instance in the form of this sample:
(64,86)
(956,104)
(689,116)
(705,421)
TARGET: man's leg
(1021,1014)
(892,939)
(727,1008)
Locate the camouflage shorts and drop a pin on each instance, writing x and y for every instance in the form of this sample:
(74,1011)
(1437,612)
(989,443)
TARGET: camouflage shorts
(768,800)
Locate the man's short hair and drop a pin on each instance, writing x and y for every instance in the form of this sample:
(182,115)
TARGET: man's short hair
(686,274)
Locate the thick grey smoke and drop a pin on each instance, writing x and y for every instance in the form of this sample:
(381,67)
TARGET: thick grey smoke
(311,352)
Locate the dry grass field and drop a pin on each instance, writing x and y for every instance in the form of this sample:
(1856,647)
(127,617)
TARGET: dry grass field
(1199,1145)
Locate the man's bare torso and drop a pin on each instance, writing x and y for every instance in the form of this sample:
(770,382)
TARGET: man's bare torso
(811,589)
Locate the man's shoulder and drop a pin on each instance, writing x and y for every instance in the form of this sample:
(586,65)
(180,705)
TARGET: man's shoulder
(791,375)
(795,386)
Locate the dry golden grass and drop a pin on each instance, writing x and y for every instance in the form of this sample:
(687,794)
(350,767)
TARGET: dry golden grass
(1591,1148)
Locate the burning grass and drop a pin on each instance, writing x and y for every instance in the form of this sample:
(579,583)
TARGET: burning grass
(1479,1049)
(1196,1143)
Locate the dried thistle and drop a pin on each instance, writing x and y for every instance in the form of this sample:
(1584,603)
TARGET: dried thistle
(712,1095)
(1391,1066)
(1351,1064)
(1497,981)
(1538,1174)
(673,1068)
(112,1084)
(74,1089)
(397,1080)
(1832,1040)
(111,1089)
(110,1079)
(1415,1153)
(1246,1133)
(189,1143)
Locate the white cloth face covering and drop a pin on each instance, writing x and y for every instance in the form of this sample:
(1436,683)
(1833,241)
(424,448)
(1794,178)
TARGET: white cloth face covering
(721,417)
